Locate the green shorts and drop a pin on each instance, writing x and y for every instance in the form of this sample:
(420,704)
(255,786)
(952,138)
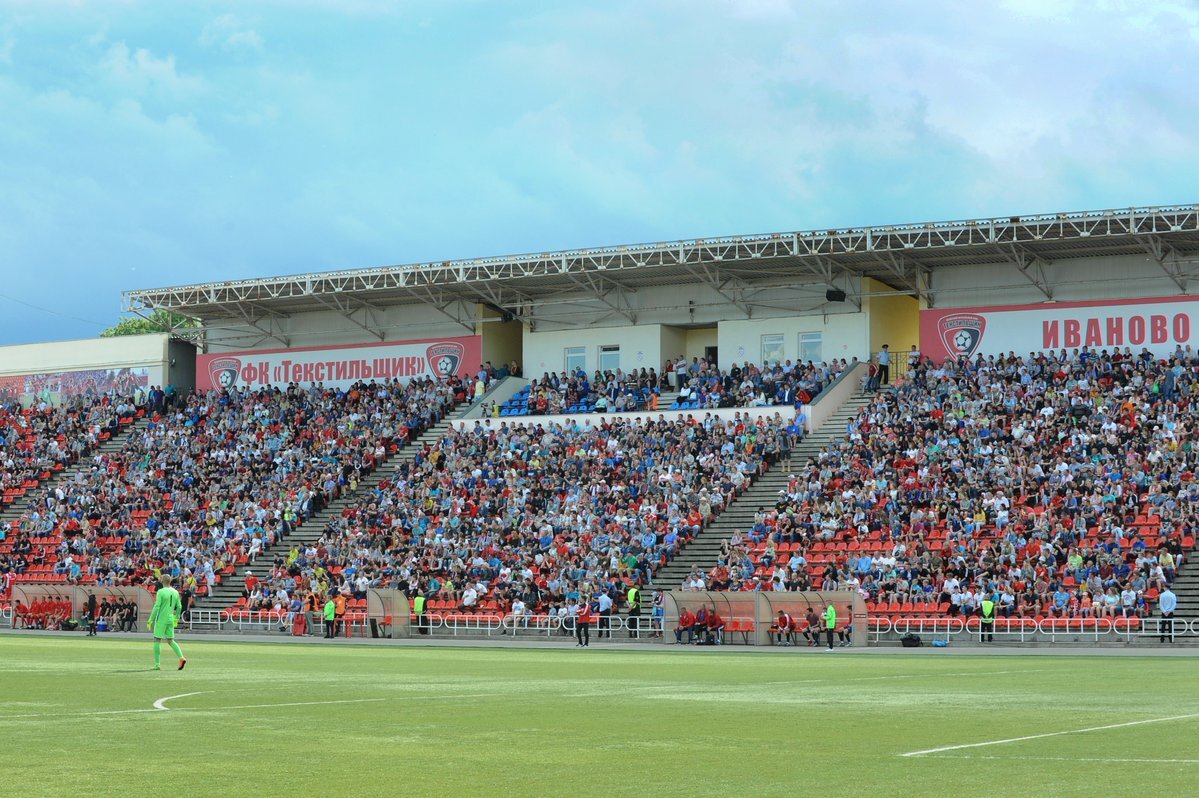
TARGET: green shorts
(164,630)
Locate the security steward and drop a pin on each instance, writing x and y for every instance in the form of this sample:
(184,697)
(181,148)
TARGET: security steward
(830,623)
(634,619)
(988,618)
(418,607)
(330,613)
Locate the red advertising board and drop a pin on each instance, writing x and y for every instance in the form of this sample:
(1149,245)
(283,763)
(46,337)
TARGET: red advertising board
(1159,325)
(341,366)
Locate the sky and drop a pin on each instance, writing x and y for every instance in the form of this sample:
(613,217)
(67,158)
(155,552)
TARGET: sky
(148,144)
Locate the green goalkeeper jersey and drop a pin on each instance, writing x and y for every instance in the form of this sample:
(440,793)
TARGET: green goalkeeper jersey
(167,607)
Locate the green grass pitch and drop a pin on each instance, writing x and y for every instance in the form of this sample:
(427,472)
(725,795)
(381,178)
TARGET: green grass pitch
(78,718)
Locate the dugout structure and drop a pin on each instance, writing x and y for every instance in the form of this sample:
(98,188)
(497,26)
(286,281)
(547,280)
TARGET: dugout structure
(749,615)
(389,610)
(77,595)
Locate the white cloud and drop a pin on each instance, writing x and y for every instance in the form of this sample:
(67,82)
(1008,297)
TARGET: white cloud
(139,71)
(230,33)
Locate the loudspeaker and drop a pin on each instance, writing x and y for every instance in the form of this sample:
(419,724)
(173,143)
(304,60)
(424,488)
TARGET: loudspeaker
(834,295)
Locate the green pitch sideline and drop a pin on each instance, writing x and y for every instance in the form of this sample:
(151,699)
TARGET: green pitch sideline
(163,619)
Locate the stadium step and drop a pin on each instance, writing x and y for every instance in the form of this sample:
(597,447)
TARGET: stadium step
(231,587)
(704,549)
(1186,587)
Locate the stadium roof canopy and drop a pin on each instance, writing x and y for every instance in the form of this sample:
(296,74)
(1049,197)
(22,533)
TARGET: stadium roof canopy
(747,271)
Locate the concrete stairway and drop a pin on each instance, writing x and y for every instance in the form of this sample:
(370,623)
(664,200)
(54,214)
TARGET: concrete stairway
(1186,587)
(230,587)
(113,444)
(704,549)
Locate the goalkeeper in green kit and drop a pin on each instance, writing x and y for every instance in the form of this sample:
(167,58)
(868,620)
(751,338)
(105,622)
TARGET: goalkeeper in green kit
(163,618)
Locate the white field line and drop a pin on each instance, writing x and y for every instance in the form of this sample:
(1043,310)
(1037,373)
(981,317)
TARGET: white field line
(899,676)
(295,704)
(1113,760)
(162,702)
(65,715)
(1050,734)
(159,707)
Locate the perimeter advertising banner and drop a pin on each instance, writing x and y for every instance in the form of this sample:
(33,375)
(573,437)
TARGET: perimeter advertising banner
(341,366)
(1159,325)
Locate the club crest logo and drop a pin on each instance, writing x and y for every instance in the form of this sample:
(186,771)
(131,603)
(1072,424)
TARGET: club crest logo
(445,358)
(224,371)
(962,333)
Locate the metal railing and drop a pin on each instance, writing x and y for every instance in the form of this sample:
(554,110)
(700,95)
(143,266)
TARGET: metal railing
(546,626)
(1046,630)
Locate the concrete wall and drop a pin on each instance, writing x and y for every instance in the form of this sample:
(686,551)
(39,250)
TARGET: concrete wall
(831,398)
(590,419)
(502,341)
(846,335)
(894,320)
(640,346)
(126,351)
(699,339)
(674,342)
(686,304)
(181,365)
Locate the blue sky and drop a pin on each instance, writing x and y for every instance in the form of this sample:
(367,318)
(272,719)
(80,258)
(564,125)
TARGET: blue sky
(145,144)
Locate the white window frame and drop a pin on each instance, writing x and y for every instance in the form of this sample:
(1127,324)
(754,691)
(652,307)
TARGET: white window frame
(578,353)
(810,336)
(778,348)
(604,351)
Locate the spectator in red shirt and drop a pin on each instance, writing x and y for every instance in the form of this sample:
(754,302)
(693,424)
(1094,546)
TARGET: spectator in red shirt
(715,628)
(251,582)
(686,624)
(781,630)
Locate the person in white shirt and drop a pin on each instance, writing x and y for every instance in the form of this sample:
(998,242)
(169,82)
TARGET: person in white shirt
(604,602)
(520,614)
(884,364)
(1128,601)
(1167,602)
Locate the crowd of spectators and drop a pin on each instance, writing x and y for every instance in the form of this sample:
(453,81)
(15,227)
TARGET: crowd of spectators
(217,478)
(705,385)
(1058,484)
(526,518)
(602,392)
(37,440)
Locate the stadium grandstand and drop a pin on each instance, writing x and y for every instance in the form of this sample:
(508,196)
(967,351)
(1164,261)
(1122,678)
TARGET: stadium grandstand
(920,419)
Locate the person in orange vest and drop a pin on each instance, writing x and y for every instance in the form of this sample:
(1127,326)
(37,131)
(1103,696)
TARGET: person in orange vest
(339,613)
(583,625)
(686,624)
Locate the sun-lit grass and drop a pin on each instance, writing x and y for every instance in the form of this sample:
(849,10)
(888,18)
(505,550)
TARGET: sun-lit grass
(77,719)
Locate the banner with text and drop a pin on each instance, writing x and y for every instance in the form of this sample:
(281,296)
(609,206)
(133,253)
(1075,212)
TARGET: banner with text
(1158,325)
(341,366)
